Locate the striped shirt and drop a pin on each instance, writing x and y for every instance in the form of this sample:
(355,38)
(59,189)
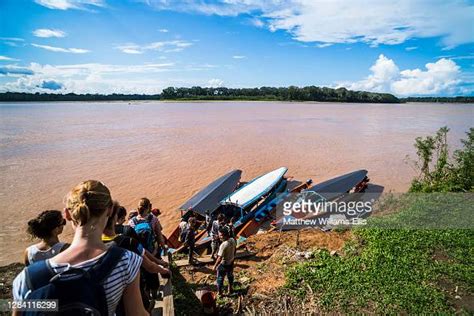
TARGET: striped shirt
(121,275)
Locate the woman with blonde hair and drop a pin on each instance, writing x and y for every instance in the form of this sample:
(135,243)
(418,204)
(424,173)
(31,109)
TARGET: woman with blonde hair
(88,276)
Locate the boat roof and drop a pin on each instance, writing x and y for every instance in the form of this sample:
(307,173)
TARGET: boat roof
(255,189)
(334,187)
(209,197)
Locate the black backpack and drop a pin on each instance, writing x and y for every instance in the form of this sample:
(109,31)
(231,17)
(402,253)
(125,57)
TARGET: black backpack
(79,292)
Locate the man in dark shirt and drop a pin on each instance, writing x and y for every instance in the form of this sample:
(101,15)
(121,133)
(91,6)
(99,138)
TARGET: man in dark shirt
(190,239)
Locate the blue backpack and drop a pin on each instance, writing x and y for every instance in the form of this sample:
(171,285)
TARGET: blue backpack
(79,292)
(145,232)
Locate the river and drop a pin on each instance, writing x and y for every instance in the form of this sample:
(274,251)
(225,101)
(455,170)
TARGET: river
(167,151)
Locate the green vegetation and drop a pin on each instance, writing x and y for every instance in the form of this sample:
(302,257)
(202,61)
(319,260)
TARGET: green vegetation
(292,93)
(392,270)
(24,97)
(394,265)
(438,170)
(185,301)
(458,99)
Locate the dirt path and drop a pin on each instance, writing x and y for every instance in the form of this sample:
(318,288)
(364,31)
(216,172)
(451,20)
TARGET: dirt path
(260,276)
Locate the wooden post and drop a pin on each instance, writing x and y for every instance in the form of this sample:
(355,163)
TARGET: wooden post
(166,306)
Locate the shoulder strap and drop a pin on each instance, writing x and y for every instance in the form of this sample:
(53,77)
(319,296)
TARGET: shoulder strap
(107,263)
(38,274)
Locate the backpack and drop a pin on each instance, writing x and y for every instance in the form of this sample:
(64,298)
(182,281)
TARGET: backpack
(79,292)
(145,232)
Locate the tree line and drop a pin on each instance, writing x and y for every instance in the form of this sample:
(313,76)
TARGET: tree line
(458,99)
(292,93)
(22,97)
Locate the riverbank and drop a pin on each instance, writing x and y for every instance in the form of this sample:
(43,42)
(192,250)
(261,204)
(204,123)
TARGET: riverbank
(366,270)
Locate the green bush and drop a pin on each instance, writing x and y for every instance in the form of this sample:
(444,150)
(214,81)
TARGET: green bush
(438,171)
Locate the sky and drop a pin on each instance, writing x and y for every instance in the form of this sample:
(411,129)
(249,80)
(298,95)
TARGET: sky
(405,47)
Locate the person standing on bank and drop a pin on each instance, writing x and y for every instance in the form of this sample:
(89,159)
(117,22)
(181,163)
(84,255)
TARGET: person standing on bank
(216,226)
(225,261)
(190,238)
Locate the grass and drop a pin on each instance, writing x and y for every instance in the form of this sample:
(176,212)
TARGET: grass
(185,301)
(395,265)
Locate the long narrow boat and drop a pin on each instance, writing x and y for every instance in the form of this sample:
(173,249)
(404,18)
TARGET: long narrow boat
(265,213)
(208,199)
(335,187)
(248,195)
(241,202)
(329,190)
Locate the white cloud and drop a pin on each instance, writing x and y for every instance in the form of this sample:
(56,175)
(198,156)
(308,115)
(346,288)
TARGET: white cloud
(215,83)
(12,39)
(442,76)
(70,4)
(148,78)
(464,57)
(129,49)
(411,48)
(341,21)
(323,45)
(163,30)
(6,58)
(384,71)
(164,46)
(239,57)
(48,33)
(62,50)
(257,22)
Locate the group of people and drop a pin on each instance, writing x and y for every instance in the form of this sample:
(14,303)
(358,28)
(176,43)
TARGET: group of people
(110,267)
(223,245)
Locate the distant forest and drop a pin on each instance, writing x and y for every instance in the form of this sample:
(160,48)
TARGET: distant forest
(22,97)
(440,99)
(291,93)
(310,93)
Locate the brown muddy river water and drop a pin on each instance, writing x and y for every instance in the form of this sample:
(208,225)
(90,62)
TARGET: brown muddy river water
(168,151)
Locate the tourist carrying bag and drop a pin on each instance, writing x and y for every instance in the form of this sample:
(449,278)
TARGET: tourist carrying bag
(79,292)
(145,232)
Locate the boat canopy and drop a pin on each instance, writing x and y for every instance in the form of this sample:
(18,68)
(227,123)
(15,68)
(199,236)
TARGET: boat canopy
(209,197)
(337,186)
(255,189)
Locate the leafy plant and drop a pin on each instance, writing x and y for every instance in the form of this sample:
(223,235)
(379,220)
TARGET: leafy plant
(438,172)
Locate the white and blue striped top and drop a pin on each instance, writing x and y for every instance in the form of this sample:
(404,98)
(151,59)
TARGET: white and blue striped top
(123,274)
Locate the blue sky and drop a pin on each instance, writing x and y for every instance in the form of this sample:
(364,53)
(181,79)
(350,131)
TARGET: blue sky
(131,46)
